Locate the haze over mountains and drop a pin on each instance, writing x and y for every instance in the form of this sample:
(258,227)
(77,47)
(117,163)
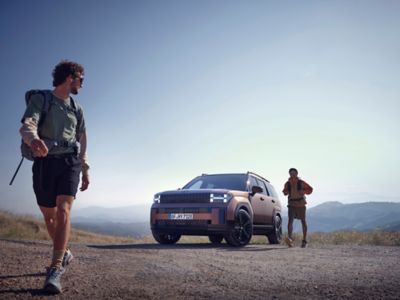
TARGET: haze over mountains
(327,217)
(125,214)
(133,221)
(332,216)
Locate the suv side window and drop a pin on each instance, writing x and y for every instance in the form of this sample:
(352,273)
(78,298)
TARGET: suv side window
(273,191)
(252,182)
(262,183)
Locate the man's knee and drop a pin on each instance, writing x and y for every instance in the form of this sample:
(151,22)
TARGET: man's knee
(63,212)
(64,204)
(49,214)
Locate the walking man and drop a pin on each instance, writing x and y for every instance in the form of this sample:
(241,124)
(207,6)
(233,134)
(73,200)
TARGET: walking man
(57,140)
(296,189)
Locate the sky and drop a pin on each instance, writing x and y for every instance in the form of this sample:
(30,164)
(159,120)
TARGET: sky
(174,89)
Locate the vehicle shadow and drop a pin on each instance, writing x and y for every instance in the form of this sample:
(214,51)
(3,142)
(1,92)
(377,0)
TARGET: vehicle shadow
(255,248)
(220,247)
(154,246)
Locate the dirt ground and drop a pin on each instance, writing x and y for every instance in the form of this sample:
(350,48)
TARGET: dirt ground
(204,271)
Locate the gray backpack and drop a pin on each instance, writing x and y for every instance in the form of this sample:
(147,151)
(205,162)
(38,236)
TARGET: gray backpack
(48,100)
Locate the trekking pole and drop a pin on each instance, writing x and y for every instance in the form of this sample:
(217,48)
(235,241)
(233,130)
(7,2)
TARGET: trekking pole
(16,171)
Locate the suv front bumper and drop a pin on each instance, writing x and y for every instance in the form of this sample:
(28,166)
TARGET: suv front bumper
(207,219)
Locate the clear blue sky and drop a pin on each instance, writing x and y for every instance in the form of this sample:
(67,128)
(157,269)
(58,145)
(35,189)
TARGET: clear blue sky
(174,89)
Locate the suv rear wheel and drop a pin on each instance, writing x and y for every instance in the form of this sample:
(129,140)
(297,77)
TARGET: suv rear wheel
(275,236)
(166,238)
(216,239)
(242,231)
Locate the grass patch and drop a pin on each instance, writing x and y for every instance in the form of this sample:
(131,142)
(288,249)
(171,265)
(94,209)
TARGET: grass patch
(31,228)
(347,237)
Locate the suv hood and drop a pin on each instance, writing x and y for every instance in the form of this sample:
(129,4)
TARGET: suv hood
(199,191)
(194,196)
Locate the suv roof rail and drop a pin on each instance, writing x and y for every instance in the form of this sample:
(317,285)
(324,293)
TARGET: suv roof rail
(252,173)
(204,174)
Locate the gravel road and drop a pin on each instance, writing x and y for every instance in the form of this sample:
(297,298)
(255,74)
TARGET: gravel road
(204,271)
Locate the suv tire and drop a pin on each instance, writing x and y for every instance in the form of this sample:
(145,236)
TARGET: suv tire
(242,230)
(275,237)
(216,239)
(166,238)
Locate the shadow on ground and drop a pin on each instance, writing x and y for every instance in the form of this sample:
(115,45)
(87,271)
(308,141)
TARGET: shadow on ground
(221,247)
(32,292)
(22,275)
(16,292)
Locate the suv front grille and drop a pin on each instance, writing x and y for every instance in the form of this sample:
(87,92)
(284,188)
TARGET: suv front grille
(193,210)
(185,223)
(185,198)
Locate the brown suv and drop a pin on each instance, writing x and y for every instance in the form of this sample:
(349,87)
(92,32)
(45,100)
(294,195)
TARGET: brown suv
(230,206)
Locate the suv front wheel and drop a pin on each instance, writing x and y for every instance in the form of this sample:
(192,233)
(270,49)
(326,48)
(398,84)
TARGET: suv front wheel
(164,238)
(242,230)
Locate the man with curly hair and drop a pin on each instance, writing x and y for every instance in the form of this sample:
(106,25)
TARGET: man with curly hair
(58,143)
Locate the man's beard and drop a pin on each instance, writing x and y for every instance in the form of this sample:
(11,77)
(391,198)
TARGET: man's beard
(74,91)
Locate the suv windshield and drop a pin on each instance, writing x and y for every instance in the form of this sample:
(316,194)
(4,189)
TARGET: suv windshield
(226,181)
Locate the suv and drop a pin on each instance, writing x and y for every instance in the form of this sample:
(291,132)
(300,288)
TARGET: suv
(230,206)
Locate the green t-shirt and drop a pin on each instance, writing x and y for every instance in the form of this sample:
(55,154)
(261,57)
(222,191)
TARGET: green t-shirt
(60,123)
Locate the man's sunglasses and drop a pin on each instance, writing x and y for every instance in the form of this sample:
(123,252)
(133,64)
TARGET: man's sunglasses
(80,78)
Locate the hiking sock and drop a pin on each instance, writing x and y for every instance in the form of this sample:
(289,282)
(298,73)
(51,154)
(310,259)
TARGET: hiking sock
(58,256)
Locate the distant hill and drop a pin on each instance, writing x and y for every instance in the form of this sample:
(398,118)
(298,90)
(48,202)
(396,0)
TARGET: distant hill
(134,221)
(333,216)
(135,230)
(131,221)
(126,214)
(31,228)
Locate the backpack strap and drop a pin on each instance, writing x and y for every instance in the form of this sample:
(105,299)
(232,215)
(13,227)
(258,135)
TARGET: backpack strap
(48,100)
(300,185)
(79,117)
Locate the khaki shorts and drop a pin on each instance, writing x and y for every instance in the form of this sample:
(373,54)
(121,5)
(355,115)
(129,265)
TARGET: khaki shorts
(297,213)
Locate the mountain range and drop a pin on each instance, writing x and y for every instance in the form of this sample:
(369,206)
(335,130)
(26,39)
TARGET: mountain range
(327,217)
(132,221)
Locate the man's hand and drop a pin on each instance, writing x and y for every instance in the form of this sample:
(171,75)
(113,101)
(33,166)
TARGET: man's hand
(39,148)
(85,183)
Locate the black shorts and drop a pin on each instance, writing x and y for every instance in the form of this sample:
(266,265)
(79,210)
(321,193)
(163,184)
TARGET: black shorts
(54,176)
(297,213)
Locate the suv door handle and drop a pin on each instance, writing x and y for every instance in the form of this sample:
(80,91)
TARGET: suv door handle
(261,198)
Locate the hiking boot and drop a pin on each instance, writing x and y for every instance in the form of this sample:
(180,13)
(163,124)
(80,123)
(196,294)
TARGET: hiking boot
(68,257)
(52,284)
(303,244)
(289,242)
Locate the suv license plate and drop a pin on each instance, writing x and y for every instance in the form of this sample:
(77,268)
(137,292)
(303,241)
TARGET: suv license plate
(181,216)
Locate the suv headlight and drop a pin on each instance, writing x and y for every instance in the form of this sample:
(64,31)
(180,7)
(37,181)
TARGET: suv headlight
(157,198)
(220,197)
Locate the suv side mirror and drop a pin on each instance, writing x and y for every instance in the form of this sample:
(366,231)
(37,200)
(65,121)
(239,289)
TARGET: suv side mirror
(256,189)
